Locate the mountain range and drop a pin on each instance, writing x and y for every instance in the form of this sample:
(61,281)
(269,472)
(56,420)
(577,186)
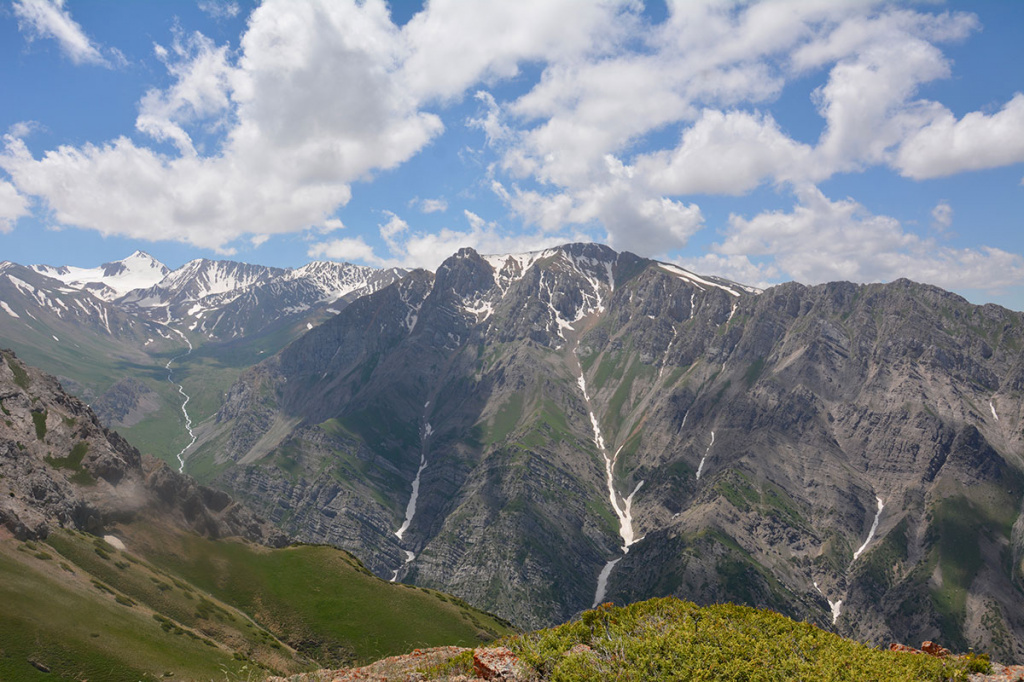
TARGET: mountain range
(109,332)
(538,433)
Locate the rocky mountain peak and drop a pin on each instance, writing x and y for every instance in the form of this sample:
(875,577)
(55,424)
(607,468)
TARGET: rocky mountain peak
(466,274)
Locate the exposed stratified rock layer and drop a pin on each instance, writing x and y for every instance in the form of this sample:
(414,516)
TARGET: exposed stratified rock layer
(823,420)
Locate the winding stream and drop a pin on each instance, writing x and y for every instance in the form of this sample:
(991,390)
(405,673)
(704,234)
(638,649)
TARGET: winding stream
(184,404)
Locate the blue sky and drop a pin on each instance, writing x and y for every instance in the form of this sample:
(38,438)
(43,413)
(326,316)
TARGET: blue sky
(812,140)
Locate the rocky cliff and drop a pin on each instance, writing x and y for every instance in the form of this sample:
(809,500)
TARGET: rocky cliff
(59,467)
(539,432)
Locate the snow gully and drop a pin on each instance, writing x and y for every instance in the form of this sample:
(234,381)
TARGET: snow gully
(624,512)
(874,527)
(837,606)
(700,467)
(410,510)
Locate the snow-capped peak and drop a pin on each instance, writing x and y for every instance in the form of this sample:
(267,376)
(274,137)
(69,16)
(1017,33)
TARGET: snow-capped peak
(110,280)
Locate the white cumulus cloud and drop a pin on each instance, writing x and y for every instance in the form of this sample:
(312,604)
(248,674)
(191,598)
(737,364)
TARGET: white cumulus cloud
(49,19)
(942,216)
(347,249)
(946,146)
(726,153)
(294,136)
(823,240)
(12,206)
(595,123)
(434,205)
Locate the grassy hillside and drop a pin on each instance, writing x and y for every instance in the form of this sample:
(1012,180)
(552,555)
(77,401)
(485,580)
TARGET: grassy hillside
(173,604)
(318,598)
(60,618)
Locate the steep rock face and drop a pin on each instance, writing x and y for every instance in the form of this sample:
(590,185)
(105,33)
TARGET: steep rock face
(125,403)
(506,429)
(60,467)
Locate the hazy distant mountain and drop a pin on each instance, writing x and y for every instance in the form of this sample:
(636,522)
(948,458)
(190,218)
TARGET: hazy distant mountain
(124,321)
(224,300)
(506,427)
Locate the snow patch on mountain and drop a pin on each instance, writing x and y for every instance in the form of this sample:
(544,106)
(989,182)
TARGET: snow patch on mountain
(110,280)
(702,284)
(510,267)
(624,512)
(700,467)
(410,511)
(874,527)
(835,606)
(202,277)
(602,582)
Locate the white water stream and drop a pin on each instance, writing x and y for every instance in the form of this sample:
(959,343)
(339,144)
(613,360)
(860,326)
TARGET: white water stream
(184,404)
(700,467)
(874,527)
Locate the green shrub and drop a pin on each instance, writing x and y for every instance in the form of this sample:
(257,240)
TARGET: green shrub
(20,375)
(672,639)
(82,477)
(39,419)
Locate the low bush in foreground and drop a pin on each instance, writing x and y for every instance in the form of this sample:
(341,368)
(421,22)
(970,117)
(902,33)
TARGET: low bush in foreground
(668,639)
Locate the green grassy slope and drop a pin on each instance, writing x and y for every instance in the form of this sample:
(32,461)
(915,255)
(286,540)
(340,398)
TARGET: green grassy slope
(55,617)
(319,598)
(176,604)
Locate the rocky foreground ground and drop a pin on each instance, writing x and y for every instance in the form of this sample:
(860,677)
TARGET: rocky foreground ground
(452,664)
